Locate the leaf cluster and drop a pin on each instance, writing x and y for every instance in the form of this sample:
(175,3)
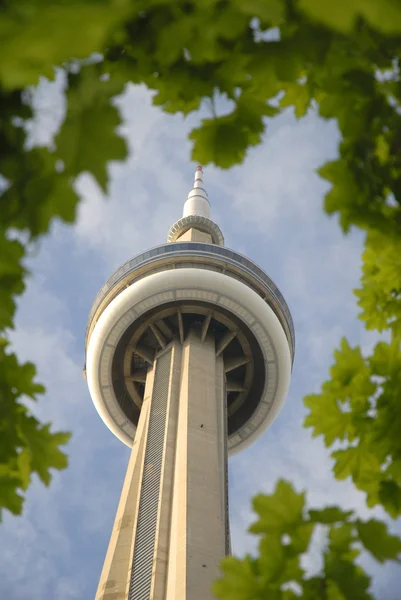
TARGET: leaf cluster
(285,528)
(37,185)
(379,296)
(346,66)
(26,446)
(359,406)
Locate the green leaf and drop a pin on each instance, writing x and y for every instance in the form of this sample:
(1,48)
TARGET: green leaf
(341,540)
(36,36)
(344,191)
(238,582)
(382,149)
(26,446)
(356,462)
(11,278)
(44,448)
(277,562)
(386,358)
(279,512)
(222,141)
(330,514)
(9,498)
(88,138)
(24,464)
(327,419)
(15,376)
(269,11)
(298,96)
(389,496)
(384,15)
(34,176)
(376,539)
(333,592)
(380,294)
(350,579)
(300,537)
(351,374)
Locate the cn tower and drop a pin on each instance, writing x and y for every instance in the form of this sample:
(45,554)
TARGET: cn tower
(189,350)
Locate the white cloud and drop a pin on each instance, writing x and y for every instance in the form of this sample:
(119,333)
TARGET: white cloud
(49,106)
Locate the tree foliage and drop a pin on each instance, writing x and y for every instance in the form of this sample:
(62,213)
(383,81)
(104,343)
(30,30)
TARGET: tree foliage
(26,445)
(35,36)
(285,529)
(359,406)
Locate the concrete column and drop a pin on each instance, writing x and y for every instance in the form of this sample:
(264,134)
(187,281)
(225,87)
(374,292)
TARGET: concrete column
(170,531)
(198,539)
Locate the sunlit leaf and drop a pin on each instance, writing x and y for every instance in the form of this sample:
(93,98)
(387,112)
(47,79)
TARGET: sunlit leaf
(280,511)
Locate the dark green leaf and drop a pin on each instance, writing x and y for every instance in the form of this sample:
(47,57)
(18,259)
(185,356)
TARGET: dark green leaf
(376,539)
(330,514)
(88,138)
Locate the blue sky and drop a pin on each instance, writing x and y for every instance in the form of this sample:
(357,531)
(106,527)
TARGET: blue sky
(269,208)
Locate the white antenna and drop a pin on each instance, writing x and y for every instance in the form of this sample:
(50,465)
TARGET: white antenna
(197,202)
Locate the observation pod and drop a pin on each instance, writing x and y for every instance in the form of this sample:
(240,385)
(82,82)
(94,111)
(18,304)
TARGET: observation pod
(189,350)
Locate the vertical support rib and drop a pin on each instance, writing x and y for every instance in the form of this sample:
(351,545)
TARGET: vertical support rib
(225,452)
(198,524)
(180,326)
(205,326)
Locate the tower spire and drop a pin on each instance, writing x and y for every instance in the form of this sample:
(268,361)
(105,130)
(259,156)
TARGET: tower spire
(196,215)
(197,202)
(198,182)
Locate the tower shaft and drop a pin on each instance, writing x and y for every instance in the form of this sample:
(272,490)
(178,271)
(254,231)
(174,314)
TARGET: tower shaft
(171,527)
